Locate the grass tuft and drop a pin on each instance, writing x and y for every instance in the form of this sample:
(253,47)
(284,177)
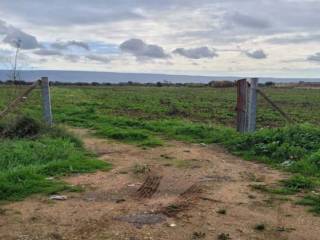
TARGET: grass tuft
(312,201)
(27,162)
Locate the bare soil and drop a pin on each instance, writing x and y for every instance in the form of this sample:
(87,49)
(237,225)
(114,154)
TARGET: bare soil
(193,192)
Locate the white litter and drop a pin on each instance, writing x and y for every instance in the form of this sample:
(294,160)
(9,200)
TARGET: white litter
(58,197)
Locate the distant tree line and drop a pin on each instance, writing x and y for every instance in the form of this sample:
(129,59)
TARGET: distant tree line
(215,84)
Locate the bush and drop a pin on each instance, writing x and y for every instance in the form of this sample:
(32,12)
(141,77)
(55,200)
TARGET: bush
(22,127)
(278,145)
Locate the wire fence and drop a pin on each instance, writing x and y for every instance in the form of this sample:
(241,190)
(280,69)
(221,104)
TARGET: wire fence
(28,106)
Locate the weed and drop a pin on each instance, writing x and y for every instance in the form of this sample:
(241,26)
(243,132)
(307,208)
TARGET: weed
(224,236)
(198,235)
(312,201)
(260,227)
(222,211)
(299,182)
(141,169)
(275,190)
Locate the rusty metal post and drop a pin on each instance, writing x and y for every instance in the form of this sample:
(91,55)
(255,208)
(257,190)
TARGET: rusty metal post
(242,97)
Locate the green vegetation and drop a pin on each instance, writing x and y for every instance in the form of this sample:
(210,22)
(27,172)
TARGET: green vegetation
(313,201)
(147,116)
(30,153)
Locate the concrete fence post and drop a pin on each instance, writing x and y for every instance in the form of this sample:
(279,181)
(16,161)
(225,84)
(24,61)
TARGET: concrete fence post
(252,105)
(46,101)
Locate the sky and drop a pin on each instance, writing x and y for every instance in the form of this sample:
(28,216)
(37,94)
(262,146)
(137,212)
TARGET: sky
(275,38)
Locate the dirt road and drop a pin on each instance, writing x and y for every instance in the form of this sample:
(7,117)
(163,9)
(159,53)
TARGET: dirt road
(193,192)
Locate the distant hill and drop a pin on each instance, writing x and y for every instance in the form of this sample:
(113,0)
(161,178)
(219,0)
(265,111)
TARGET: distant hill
(112,77)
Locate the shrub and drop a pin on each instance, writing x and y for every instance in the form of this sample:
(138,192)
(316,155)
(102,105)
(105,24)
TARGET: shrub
(22,127)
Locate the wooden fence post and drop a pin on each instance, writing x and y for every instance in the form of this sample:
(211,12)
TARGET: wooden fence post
(46,101)
(242,97)
(252,105)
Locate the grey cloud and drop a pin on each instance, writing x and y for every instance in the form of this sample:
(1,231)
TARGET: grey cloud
(72,58)
(98,58)
(14,35)
(314,58)
(219,20)
(257,54)
(3,27)
(295,39)
(83,12)
(196,53)
(47,52)
(66,45)
(142,50)
(248,21)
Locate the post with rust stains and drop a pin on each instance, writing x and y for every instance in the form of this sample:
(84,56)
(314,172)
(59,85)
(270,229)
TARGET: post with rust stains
(46,101)
(242,97)
(252,105)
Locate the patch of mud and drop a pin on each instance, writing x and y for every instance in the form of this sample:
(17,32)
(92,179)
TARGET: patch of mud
(141,219)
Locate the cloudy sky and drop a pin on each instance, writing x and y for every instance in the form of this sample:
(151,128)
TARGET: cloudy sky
(209,37)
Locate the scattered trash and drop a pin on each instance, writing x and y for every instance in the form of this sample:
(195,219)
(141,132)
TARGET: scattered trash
(50,178)
(287,163)
(58,197)
(172,225)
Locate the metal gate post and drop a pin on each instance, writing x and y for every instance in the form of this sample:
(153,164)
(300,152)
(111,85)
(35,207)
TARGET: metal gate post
(242,97)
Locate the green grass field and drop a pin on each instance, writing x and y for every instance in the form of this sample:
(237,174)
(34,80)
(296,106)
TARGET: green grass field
(203,104)
(147,116)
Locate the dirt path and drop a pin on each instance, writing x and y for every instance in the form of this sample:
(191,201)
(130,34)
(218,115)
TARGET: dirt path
(203,193)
